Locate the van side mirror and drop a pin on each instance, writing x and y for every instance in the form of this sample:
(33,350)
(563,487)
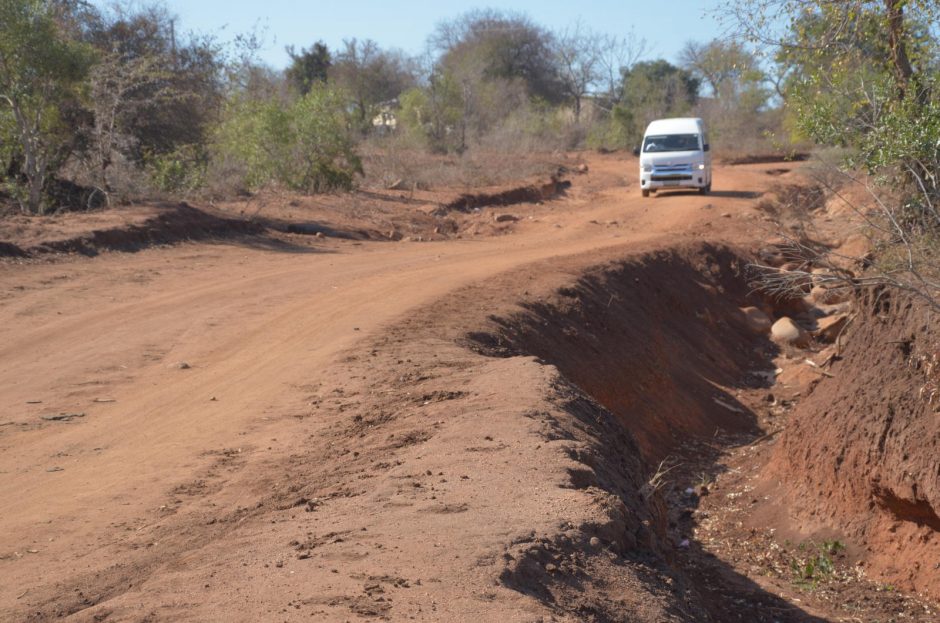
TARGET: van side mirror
(705,147)
(636,151)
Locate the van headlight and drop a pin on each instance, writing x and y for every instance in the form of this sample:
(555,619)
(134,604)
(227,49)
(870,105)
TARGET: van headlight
(700,166)
(647,168)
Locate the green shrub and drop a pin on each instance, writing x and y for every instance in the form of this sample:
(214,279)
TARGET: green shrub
(305,145)
(183,169)
(609,134)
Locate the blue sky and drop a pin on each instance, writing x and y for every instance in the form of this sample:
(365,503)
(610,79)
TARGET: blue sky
(407,24)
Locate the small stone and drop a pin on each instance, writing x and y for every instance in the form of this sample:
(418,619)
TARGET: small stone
(726,215)
(62,417)
(183,365)
(785,331)
(506,218)
(551,568)
(595,542)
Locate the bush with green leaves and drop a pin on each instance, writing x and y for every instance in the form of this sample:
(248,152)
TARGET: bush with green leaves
(182,170)
(304,145)
(652,90)
(41,78)
(614,132)
(817,565)
(864,75)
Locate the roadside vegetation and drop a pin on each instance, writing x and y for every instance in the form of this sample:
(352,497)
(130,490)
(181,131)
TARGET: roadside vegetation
(861,80)
(100,107)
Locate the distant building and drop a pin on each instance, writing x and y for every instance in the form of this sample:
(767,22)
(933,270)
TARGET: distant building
(386,120)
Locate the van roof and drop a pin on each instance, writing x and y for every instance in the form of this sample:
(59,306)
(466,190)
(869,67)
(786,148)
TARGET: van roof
(679,125)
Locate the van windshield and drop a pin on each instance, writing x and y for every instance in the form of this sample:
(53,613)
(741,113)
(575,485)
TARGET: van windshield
(671,142)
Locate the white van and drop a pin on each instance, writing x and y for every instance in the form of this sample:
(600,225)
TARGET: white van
(675,155)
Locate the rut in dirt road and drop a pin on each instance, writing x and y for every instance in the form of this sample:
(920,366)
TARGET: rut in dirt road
(662,350)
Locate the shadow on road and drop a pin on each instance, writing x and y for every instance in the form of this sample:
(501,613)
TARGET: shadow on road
(728,194)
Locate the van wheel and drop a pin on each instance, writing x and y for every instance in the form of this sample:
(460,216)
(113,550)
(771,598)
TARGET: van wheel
(645,192)
(705,189)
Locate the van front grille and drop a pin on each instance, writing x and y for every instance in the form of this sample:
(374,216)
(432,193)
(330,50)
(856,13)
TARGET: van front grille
(672,168)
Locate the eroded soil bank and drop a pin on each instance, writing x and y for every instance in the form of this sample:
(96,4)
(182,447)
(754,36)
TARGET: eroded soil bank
(860,455)
(686,389)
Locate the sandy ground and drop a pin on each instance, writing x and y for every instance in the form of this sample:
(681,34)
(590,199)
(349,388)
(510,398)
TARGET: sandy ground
(220,432)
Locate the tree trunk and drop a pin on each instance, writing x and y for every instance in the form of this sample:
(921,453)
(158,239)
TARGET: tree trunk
(34,167)
(35,195)
(897,42)
(35,171)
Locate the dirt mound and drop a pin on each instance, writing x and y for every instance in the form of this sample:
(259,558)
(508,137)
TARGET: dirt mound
(861,454)
(135,230)
(767,158)
(523,194)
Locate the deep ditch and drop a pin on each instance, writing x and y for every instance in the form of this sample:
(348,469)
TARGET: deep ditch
(665,369)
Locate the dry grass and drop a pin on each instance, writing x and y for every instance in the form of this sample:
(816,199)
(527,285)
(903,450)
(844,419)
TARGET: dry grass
(397,161)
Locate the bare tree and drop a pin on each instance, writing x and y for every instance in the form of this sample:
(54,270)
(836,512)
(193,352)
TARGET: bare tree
(618,54)
(120,87)
(735,110)
(578,53)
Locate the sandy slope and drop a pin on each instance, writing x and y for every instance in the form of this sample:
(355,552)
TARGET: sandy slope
(309,421)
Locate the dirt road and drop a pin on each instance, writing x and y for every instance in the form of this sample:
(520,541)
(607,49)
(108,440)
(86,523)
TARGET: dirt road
(215,432)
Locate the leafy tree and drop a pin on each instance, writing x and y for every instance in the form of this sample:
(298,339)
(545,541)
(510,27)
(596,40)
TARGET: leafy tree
(501,45)
(862,74)
(651,90)
(852,69)
(490,63)
(434,112)
(309,66)
(305,146)
(41,74)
